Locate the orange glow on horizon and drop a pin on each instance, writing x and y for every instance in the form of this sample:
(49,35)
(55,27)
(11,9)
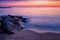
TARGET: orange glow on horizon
(35,4)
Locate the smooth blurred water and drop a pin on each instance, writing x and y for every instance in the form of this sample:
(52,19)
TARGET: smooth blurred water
(40,18)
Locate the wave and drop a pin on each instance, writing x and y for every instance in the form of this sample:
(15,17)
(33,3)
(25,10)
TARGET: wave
(42,30)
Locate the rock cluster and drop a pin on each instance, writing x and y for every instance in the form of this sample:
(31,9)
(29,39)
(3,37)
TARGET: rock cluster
(12,24)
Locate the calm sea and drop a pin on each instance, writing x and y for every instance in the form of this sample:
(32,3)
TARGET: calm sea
(40,18)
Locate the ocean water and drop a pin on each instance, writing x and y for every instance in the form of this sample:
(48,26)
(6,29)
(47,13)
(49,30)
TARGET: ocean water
(40,18)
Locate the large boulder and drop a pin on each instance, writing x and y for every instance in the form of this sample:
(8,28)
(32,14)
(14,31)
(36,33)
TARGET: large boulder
(12,24)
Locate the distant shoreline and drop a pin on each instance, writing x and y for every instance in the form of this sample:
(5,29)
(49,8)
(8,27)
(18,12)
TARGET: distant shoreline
(29,7)
(5,7)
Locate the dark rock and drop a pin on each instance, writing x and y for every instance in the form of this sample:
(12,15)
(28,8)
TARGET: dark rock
(12,24)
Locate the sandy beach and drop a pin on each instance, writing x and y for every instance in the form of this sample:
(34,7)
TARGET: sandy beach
(30,35)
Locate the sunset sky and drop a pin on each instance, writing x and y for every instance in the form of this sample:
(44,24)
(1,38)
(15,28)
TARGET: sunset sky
(32,3)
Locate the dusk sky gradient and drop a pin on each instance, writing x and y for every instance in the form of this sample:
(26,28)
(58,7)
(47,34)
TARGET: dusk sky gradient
(29,0)
(31,3)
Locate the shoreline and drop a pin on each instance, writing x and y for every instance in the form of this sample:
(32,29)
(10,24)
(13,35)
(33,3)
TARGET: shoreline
(30,35)
(42,30)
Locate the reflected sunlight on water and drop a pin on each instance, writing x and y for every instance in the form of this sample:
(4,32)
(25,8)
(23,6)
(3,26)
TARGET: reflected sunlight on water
(40,17)
(32,11)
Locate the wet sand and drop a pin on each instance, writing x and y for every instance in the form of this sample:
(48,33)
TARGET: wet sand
(30,35)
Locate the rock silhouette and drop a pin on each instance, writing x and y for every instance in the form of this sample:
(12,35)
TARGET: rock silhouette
(12,24)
